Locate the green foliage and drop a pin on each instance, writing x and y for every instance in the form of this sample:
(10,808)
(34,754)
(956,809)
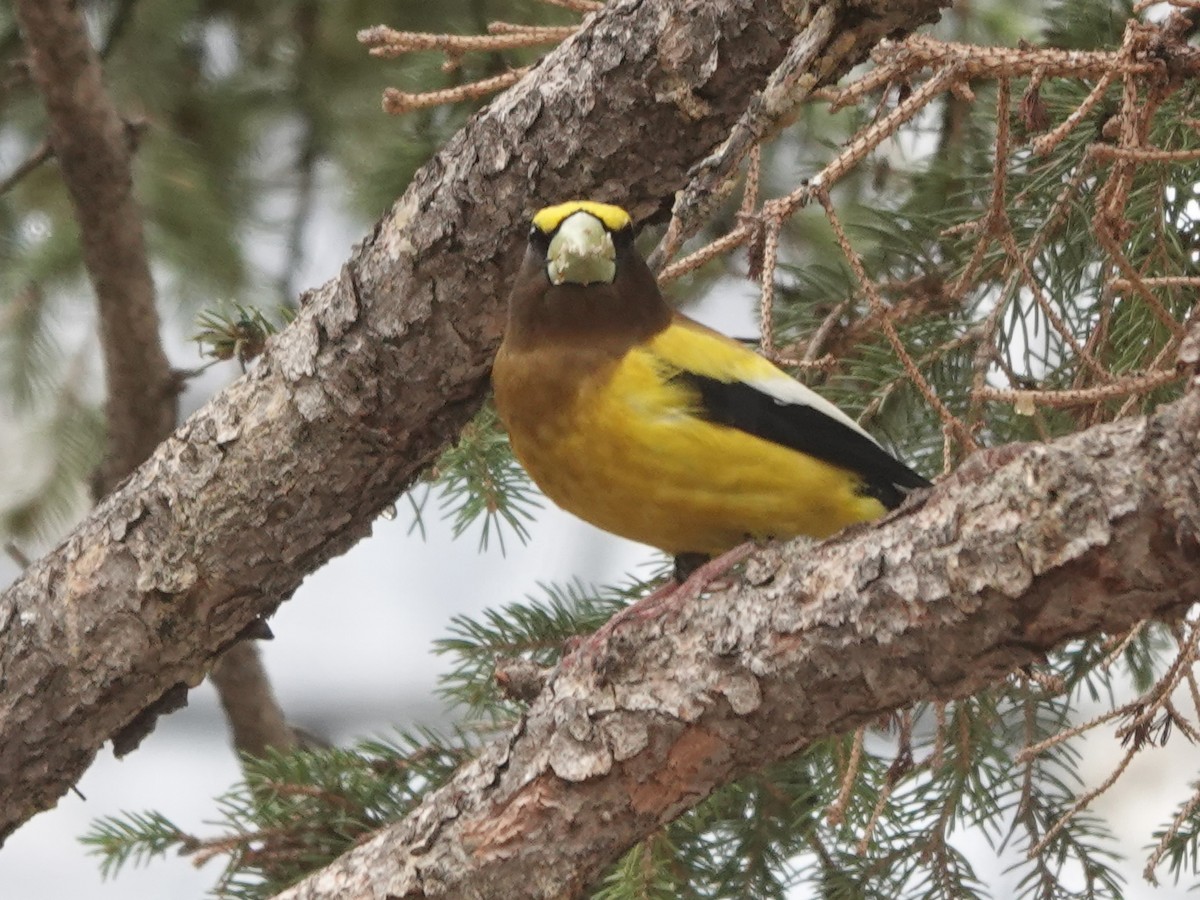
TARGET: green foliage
(480,479)
(647,872)
(249,117)
(1181,840)
(535,631)
(236,332)
(293,812)
(135,838)
(52,489)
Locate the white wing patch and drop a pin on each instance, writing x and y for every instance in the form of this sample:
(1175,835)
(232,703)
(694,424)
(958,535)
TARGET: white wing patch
(695,348)
(787,390)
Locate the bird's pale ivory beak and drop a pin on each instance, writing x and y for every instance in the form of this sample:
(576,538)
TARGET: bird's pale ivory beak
(581,252)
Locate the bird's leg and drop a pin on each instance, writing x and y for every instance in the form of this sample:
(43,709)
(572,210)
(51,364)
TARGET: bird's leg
(693,573)
(703,574)
(687,563)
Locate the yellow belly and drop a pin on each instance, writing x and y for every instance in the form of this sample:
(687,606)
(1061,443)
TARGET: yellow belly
(619,451)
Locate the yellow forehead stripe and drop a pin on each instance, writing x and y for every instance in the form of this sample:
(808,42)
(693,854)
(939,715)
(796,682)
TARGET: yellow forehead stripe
(613,217)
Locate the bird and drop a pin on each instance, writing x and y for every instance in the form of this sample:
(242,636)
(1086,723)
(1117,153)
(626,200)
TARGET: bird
(654,427)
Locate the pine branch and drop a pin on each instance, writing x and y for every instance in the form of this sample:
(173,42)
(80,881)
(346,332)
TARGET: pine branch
(480,479)
(290,808)
(1009,557)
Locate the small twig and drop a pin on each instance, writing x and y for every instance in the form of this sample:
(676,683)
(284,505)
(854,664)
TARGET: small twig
(889,329)
(540,34)
(1027,768)
(1104,235)
(1144,154)
(1193,690)
(1168,352)
(385,42)
(766,297)
(920,51)
(1187,281)
(1082,803)
(836,814)
(790,84)
(983,358)
(885,794)
(1025,271)
(1121,387)
(1118,651)
(821,335)
(580,6)
(938,755)
(1164,842)
(996,217)
(397,102)
(41,153)
(1047,142)
(750,187)
(1050,684)
(741,234)
(1029,752)
(17,555)
(873,135)
(1178,719)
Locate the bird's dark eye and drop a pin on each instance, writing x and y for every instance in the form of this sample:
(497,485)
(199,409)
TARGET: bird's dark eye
(623,237)
(538,239)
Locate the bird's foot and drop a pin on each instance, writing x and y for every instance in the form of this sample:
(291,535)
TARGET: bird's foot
(705,576)
(674,595)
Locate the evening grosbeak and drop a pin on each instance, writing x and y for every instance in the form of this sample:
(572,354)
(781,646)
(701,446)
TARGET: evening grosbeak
(653,427)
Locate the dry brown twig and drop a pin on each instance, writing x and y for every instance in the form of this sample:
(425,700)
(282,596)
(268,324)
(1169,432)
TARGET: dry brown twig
(389,43)
(1143,712)
(397,102)
(836,814)
(889,329)
(40,154)
(953,66)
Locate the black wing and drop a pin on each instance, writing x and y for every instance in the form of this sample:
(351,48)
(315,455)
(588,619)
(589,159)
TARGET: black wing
(807,430)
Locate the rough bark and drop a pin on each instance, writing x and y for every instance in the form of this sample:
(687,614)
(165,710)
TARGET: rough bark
(92,143)
(998,565)
(382,367)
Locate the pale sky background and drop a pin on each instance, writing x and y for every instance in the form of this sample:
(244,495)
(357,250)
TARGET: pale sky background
(352,657)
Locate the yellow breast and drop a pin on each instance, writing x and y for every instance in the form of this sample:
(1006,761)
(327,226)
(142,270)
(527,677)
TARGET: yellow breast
(613,441)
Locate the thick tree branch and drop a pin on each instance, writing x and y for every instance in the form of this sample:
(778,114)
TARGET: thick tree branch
(289,466)
(92,146)
(996,567)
